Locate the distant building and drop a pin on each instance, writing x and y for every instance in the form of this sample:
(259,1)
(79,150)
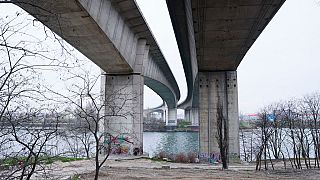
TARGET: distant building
(248,117)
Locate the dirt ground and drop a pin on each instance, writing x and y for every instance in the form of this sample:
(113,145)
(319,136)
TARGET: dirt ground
(147,169)
(191,174)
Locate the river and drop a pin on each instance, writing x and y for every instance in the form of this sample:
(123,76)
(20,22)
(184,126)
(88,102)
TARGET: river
(170,142)
(153,143)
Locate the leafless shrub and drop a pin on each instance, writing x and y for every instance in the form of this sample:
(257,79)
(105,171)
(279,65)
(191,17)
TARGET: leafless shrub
(192,157)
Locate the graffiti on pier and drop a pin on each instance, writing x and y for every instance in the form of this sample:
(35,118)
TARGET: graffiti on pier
(120,144)
(212,158)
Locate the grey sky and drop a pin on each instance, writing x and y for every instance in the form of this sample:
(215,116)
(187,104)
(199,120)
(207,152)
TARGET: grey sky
(284,62)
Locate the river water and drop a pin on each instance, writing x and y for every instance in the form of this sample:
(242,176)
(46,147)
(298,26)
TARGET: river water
(153,143)
(170,142)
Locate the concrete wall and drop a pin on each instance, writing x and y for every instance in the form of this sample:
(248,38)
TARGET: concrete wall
(218,88)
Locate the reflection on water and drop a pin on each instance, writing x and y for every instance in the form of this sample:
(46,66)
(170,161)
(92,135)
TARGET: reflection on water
(170,142)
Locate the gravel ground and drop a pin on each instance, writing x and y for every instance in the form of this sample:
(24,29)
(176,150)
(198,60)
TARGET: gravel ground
(141,168)
(189,174)
(147,169)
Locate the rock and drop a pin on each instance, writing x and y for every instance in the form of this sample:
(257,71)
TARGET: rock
(165,167)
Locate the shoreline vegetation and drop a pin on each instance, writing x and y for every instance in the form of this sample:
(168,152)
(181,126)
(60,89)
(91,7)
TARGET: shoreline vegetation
(11,162)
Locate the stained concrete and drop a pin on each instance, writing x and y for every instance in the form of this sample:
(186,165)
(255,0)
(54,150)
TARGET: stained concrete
(218,89)
(124,108)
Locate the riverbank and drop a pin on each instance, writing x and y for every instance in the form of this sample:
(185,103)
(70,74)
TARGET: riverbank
(142,168)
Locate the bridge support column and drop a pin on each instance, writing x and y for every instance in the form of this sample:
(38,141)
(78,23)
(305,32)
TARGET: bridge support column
(194,115)
(123,99)
(164,115)
(218,89)
(172,117)
(187,115)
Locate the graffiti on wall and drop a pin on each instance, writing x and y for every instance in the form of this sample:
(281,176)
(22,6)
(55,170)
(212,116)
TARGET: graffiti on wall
(212,158)
(120,144)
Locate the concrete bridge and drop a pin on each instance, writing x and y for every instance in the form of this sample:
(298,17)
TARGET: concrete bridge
(114,35)
(213,37)
(162,109)
(190,114)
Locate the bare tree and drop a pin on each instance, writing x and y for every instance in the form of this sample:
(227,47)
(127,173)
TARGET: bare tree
(23,58)
(290,130)
(78,137)
(29,140)
(312,114)
(266,132)
(91,111)
(242,138)
(222,135)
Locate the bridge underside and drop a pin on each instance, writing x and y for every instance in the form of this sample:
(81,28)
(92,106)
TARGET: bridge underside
(225,30)
(221,32)
(71,21)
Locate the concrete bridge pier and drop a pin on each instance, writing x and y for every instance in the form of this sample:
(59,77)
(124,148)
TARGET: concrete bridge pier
(124,110)
(192,115)
(165,115)
(218,89)
(123,100)
(187,115)
(172,117)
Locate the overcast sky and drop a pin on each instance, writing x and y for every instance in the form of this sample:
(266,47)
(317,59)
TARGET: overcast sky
(284,62)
